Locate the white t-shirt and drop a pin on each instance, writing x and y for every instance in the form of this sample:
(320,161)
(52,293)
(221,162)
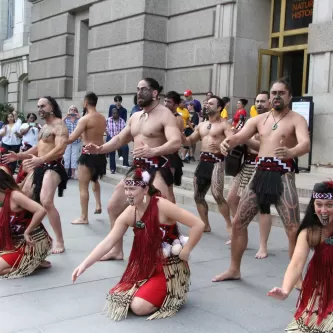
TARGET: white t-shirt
(31,137)
(10,138)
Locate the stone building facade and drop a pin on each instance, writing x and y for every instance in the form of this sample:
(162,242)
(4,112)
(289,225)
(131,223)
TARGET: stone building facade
(107,46)
(14,51)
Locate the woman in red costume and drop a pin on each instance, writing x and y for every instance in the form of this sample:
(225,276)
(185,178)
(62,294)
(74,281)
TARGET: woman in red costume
(24,243)
(239,117)
(153,283)
(315,304)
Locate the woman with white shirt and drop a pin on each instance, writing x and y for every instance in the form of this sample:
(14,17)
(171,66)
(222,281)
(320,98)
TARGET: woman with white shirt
(29,132)
(11,138)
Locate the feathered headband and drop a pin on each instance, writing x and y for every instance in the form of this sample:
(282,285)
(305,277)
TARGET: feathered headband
(142,178)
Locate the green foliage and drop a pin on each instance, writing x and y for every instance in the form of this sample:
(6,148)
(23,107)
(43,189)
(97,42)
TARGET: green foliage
(6,108)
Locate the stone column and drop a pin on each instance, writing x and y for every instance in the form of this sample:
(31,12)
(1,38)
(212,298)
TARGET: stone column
(3,21)
(321,82)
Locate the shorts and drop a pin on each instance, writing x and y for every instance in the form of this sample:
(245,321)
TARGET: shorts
(13,259)
(154,290)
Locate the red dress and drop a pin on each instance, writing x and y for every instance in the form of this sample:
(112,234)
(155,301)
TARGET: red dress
(237,116)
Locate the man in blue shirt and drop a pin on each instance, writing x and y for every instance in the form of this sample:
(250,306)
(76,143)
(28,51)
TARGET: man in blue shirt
(189,98)
(121,110)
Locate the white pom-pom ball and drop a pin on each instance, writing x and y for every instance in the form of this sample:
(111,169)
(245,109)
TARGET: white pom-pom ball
(24,127)
(146,177)
(166,249)
(183,240)
(176,249)
(176,241)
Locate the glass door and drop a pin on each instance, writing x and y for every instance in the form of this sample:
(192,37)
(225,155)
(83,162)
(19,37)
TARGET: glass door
(269,68)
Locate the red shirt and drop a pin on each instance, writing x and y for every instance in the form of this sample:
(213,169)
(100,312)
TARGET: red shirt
(237,115)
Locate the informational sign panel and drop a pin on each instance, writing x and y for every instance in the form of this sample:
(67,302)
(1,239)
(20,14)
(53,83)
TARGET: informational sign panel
(298,14)
(304,106)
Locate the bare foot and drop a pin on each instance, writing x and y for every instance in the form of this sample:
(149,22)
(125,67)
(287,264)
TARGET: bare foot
(98,211)
(261,254)
(44,265)
(228,242)
(58,247)
(113,256)
(228,275)
(207,228)
(80,220)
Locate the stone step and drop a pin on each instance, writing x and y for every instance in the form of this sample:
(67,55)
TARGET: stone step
(185,197)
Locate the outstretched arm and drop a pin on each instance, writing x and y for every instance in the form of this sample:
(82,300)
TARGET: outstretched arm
(181,215)
(245,134)
(294,269)
(117,232)
(80,128)
(193,138)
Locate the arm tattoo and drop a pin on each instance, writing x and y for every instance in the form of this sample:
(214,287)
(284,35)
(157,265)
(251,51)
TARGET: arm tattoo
(61,130)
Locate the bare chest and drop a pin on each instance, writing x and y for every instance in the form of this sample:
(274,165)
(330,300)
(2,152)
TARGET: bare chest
(150,127)
(46,134)
(214,131)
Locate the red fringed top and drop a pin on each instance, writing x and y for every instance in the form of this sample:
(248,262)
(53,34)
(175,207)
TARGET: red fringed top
(146,254)
(11,223)
(318,283)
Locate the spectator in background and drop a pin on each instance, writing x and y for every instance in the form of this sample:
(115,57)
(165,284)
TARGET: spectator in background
(183,112)
(121,110)
(209,95)
(72,152)
(189,98)
(224,113)
(136,107)
(29,132)
(204,110)
(114,125)
(11,137)
(241,114)
(253,111)
(189,129)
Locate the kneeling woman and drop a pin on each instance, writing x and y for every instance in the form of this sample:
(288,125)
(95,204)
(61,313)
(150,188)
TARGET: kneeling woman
(24,243)
(315,304)
(153,284)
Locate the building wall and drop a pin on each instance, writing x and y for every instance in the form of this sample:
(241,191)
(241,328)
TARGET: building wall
(14,53)
(321,80)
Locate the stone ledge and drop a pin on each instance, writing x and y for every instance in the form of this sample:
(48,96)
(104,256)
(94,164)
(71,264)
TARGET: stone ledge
(57,88)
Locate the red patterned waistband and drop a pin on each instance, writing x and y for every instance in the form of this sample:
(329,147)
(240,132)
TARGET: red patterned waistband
(250,158)
(152,162)
(52,163)
(275,164)
(211,157)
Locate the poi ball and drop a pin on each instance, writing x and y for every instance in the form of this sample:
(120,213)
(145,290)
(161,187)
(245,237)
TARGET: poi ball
(24,127)
(176,249)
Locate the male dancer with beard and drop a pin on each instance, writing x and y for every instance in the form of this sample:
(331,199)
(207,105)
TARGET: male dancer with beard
(156,135)
(44,165)
(91,166)
(171,101)
(283,136)
(210,170)
(244,176)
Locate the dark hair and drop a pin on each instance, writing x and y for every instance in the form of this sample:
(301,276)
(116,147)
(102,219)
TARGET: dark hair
(118,98)
(153,84)
(287,83)
(115,109)
(31,114)
(226,100)
(135,99)
(132,174)
(56,109)
(264,92)
(220,101)
(243,101)
(7,182)
(182,100)
(209,92)
(310,219)
(174,96)
(91,98)
(6,119)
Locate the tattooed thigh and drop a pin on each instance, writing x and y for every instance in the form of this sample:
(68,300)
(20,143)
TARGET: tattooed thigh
(247,208)
(200,192)
(218,183)
(288,205)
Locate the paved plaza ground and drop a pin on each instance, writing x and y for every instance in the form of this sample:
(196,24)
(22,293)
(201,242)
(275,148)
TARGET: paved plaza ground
(48,302)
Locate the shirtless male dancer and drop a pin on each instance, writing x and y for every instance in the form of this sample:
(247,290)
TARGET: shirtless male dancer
(244,176)
(91,166)
(44,165)
(210,170)
(283,136)
(156,135)
(171,101)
